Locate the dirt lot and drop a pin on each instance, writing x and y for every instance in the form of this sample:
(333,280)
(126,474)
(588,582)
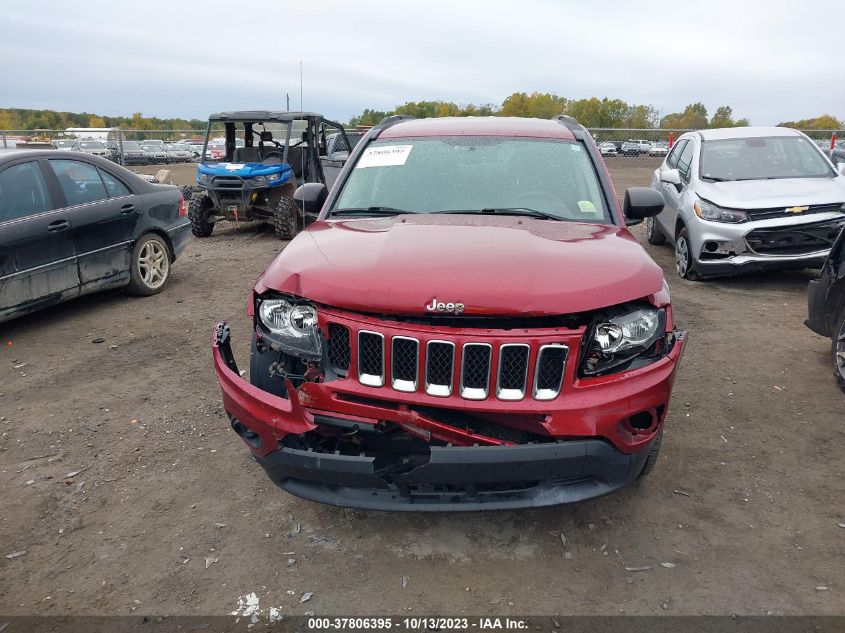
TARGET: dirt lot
(128,491)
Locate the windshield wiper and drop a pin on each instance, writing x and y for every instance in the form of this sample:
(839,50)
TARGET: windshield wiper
(386,211)
(534,213)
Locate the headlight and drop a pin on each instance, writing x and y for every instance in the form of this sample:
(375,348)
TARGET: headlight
(613,343)
(293,327)
(709,211)
(203,179)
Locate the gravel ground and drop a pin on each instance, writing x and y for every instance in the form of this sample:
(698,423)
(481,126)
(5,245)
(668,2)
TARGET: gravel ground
(127,491)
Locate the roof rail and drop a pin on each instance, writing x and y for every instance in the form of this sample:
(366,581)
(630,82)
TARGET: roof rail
(578,130)
(389,121)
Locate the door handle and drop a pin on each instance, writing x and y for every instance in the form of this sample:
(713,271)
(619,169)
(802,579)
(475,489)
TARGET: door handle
(127,209)
(58,225)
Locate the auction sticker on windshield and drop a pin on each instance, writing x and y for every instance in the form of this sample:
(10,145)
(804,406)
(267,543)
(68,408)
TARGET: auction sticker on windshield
(384,156)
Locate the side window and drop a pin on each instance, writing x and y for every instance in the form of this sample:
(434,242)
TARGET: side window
(113,185)
(80,182)
(672,159)
(685,160)
(22,191)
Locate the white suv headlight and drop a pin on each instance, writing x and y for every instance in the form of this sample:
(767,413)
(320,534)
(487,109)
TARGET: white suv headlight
(709,211)
(292,327)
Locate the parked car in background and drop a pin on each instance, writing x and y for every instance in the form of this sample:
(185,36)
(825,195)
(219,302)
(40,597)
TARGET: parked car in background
(826,306)
(133,153)
(608,149)
(659,149)
(74,223)
(64,143)
(156,152)
(179,153)
(385,375)
(635,147)
(336,146)
(745,199)
(97,148)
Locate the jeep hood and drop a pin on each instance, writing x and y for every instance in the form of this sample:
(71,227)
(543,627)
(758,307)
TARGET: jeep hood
(767,194)
(495,265)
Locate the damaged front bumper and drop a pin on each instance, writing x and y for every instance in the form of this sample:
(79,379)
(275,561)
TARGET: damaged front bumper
(466,471)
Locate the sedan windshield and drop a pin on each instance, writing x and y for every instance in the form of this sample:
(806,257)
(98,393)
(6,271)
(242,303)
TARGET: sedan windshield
(468,174)
(762,158)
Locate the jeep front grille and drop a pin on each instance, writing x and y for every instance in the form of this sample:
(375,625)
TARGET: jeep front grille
(504,370)
(371,358)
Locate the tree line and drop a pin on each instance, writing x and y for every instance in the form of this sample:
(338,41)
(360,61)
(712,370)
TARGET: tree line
(592,113)
(27,119)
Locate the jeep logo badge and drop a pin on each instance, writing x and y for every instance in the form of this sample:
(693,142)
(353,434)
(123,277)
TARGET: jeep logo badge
(439,306)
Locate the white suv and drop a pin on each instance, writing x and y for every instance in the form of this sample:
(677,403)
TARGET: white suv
(742,199)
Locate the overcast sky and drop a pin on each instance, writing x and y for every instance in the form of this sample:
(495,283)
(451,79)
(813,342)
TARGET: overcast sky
(770,60)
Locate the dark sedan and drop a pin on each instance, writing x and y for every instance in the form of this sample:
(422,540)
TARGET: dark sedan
(826,306)
(72,224)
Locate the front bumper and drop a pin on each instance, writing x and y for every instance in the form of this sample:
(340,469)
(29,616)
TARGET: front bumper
(590,451)
(460,477)
(738,257)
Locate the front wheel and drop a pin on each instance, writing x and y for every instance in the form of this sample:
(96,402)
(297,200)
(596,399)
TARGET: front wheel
(684,263)
(653,233)
(838,350)
(286,218)
(149,270)
(199,207)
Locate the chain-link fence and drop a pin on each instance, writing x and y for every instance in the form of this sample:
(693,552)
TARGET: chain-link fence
(633,151)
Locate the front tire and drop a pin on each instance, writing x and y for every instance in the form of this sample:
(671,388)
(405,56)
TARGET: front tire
(838,350)
(149,270)
(286,218)
(198,209)
(653,233)
(684,263)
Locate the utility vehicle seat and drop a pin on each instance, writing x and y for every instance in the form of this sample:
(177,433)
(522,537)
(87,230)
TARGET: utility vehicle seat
(295,157)
(246,155)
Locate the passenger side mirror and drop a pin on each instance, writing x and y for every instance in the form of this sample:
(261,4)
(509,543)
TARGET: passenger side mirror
(311,196)
(641,203)
(670,176)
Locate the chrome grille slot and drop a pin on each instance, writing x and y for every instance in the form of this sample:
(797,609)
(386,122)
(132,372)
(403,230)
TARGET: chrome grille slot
(404,362)
(475,370)
(339,351)
(371,358)
(439,368)
(548,373)
(513,371)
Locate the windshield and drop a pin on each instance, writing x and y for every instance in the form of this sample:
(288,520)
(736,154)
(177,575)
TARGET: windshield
(463,173)
(91,145)
(761,158)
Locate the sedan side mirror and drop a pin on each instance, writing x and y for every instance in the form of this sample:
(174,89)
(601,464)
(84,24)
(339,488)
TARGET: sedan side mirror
(311,196)
(641,203)
(670,176)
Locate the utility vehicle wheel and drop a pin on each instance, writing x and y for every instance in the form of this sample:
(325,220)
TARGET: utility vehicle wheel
(198,209)
(683,256)
(839,350)
(653,234)
(653,452)
(149,269)
(286,218)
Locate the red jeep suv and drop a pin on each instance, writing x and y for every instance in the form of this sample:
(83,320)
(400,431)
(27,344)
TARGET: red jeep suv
(468,325)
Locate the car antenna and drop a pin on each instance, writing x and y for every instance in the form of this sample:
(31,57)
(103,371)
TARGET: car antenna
(300,86)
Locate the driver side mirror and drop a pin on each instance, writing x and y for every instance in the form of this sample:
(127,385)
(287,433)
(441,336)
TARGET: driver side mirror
(670,177)
(311,196)
(641,203)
